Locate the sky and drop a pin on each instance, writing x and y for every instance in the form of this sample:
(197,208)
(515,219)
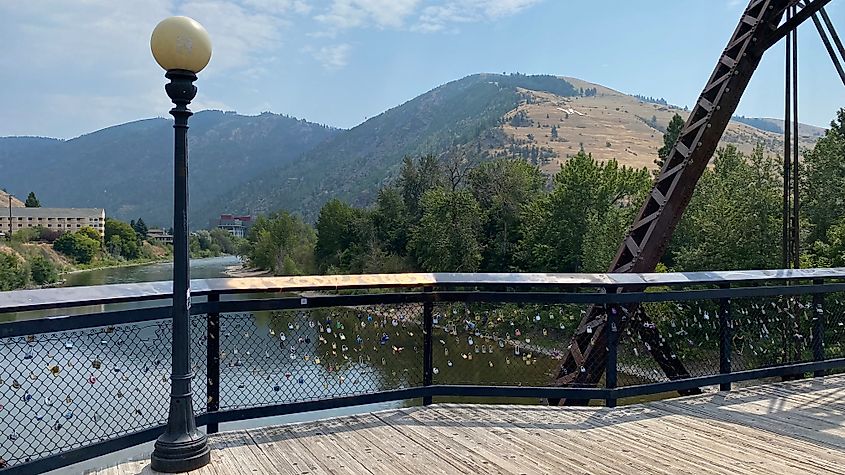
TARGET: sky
(70,67)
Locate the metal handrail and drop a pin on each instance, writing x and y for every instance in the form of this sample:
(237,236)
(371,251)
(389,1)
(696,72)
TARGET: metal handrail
(26,300)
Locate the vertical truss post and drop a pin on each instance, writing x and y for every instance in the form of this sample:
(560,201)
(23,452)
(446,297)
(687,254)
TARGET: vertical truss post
(725,337)
(818,327)
(614,321)
(428,350)
(212,385)
(796,224)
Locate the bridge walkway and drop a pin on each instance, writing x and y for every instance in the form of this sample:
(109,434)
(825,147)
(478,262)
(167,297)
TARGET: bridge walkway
(790,427)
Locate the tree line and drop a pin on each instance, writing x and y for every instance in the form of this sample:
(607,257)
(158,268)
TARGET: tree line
(504,215)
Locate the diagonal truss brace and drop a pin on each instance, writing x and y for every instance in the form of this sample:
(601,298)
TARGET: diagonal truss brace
(643,247)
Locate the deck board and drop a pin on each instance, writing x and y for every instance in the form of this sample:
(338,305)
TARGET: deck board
(785,428)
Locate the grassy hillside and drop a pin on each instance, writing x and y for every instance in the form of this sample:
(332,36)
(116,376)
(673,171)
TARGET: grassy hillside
(128,169)
(357,163)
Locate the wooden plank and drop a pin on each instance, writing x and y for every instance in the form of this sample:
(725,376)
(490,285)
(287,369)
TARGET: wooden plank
(602,434)
(445,447)
(288,453)
(569,450)
(376,440)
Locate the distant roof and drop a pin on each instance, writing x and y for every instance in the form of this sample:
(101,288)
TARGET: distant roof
(57,212)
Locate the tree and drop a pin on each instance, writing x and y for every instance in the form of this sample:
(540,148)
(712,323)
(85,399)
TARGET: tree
(554,132)
(557,225)
(416,178)
(77,246)
(447,238)
(391,222)
(673,131)
(140,228)
(281,243)
(502,188)
(91,233)
(338,239)
(42,270)
(13,272)
(734,218)
(32,201)
(823,179)
(127,245)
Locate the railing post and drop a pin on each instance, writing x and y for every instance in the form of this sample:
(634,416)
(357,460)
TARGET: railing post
(428,350)
(213,363)
(610,370)
(818,327)
(725,337)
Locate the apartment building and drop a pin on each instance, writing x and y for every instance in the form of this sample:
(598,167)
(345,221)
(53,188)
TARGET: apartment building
(58,219)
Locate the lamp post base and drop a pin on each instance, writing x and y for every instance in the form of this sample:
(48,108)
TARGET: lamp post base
(183,454)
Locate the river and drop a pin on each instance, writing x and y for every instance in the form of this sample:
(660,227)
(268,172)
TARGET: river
(200,269)
(111,378)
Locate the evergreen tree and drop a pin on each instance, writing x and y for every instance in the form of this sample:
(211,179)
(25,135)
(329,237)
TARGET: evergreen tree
(673,131)
(32,201)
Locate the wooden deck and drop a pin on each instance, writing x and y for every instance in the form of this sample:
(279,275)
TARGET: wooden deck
(795,427)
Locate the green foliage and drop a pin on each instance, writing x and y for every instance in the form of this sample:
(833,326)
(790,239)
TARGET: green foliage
(281,243)
(91,233)
(213,243)
(582,206)
(77,246)
(27,235)
(121,240)
(32,201)
(357,163)
(13,272)
(823,172)
(673,131)
(43,271)
(502,188)
(140,228)
(448,236)
(734,218)
(344,235)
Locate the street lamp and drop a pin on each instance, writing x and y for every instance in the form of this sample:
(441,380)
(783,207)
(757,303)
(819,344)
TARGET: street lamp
(182,47)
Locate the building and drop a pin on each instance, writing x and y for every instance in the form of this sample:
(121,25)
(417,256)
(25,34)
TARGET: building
(159,235)
(57,219)
(237,226)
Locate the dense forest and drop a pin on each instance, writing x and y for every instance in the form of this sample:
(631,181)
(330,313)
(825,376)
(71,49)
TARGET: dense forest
(503,215)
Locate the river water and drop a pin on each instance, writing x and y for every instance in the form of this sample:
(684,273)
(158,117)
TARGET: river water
(200,269)
(84,384)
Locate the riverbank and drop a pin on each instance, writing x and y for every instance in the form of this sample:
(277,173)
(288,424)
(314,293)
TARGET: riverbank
(240,270)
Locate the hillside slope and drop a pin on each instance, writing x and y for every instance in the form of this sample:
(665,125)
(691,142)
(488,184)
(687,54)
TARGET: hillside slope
(128,169)
(357,163)
(613,125)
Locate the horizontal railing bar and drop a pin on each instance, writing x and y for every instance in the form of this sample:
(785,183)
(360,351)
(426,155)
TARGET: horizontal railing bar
(77,322)
(117,317)
(65,297)
(745,375)
(82,454)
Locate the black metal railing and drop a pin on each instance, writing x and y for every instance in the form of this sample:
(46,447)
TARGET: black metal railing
(84,384)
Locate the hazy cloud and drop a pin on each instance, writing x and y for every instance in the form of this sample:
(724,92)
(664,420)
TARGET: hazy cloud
(439,16)
(332,57)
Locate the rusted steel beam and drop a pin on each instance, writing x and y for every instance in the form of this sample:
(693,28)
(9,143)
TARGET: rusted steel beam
(648,237)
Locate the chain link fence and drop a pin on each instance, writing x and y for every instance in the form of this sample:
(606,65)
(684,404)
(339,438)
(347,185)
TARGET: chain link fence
(65,390)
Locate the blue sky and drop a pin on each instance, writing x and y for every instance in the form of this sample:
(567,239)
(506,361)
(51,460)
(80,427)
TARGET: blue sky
(70,67)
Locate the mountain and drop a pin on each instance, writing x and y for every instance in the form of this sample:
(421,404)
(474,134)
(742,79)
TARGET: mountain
(484,115)
(128,169)
(4,201)
(355,164)
(253,164)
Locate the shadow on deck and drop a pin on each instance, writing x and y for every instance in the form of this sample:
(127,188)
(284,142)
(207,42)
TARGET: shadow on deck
(791,427)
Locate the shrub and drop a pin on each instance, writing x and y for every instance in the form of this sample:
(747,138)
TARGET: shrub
(78,246)
(13,272)
(43,271)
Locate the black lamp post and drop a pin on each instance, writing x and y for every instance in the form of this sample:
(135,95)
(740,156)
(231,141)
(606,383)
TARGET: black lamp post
(183,48)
